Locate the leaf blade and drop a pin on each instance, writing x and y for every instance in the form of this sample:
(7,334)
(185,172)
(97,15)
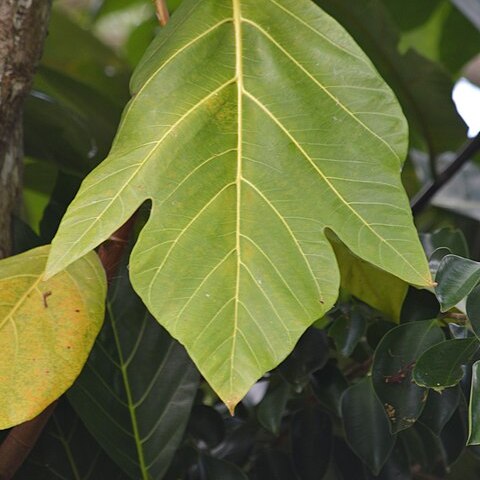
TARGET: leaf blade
(225,202)
(47,330)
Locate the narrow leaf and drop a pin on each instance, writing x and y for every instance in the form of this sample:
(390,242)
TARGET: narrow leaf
(246,167)
(137,389)
(47,329)
(271,409)
(474,407)
(441,365)
(456,278)
(393,363)
(366,425)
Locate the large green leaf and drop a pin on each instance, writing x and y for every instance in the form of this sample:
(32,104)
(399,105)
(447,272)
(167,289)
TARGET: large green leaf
(423,87)
(137,388)
(47,329)
(246,167)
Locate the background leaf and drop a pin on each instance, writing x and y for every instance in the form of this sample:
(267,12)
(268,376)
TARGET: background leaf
(474,407)
(47,330)
(392,368)
(66,450)
(366,425)
(441,365)
(456,278)
(230,218)
(137,388)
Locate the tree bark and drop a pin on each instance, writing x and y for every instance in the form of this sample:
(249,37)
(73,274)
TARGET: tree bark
(23,27)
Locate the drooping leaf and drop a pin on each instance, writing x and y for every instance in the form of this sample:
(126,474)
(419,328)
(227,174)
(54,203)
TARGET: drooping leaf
(377,288)
(47,329)
(423,87)
(440,366)
(456,278)
(473,310)
(205,426)
(137,388)
(66,450)
(450,238)
(272,407)
(215,469)
(346,332)
(273,464)
(244,180)
(474,407)
(328,385)
(312,442)
(366,425)
(439,409)
(393,363)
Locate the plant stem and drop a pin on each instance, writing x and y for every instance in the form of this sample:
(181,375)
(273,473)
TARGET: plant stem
(162,12)
(423,198)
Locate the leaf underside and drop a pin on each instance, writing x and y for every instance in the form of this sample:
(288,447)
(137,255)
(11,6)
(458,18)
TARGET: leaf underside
(255,125)
(47,329)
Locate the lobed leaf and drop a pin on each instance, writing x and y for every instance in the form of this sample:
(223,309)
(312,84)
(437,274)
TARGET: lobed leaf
(47,329)
(236,133)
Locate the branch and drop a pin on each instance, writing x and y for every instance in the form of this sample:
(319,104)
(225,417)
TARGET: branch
(162,12)
(423,198)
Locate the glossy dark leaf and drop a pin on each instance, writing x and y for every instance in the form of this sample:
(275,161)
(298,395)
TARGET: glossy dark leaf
(440,366)
(215,469)
(137,389)
(473,310)
(454,434)
(450,238)
(474,407)
(310,354)
(392,368)
(436,258)
(312,442)
(66,450)
(419,305)
(397,466)
(206,426)
(274,465)
(347,330)
(271,409)
(456,278)
(328,386)
(366,425)
(439,409)
(346,462)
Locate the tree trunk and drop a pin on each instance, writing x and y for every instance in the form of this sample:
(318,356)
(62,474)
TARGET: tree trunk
(23,27)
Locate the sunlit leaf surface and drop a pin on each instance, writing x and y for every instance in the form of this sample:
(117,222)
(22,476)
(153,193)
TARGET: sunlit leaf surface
(47,329)
(255,125)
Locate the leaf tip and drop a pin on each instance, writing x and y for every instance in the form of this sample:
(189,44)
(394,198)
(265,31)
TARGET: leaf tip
(231,404)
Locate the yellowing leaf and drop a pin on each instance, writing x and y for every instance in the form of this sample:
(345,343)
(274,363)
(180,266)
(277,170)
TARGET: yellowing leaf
(47,329)
(255,125)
